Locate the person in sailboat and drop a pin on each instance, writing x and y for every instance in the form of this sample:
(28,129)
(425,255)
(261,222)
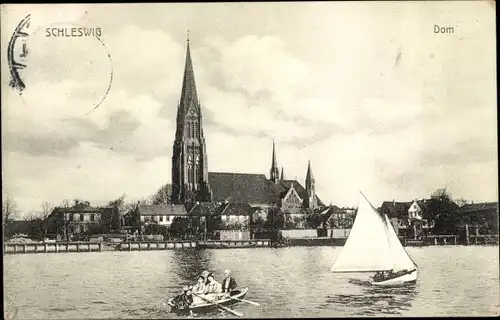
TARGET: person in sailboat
(228,284)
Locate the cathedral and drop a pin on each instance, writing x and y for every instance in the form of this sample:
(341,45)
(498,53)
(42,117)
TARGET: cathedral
(192,182)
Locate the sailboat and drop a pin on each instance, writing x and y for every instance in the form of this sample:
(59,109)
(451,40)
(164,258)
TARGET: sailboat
(373,246)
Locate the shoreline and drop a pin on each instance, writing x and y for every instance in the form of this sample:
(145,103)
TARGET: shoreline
(66,247)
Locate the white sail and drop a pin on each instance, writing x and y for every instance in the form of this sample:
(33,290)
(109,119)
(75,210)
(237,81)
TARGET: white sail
(400,258)
(367,247)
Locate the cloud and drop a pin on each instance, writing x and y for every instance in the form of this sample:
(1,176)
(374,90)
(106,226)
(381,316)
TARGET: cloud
(336,98)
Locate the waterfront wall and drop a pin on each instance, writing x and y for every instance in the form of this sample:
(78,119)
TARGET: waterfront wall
(300,233)
(225,235)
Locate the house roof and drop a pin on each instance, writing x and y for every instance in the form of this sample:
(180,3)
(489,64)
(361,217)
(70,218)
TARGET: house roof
(475,207)
(203,209)
(235,209)
(333,210)
(395,209)
(162,210)
(79,208)
(242,188)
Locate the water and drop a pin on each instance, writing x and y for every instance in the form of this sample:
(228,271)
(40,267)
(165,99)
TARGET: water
(287,282)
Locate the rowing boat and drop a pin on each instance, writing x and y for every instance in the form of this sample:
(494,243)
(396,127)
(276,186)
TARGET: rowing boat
(202,304)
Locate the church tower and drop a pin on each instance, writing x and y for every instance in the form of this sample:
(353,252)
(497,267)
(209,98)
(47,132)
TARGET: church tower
(274,172)
(310,188)
(189,158)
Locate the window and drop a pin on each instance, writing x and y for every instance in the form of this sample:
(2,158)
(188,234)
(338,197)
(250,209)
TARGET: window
(82,229)
(195,130)
(92,217)
(70,217)
(168,218)
(161,218)
(81,216)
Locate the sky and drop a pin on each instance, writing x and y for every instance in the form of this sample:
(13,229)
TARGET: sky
(368,92)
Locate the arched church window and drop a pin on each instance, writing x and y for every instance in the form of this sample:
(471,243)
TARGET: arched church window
(196,130)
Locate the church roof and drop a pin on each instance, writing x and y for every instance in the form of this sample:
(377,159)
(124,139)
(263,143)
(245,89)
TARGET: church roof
(242,188)
(249,188)
(284,185)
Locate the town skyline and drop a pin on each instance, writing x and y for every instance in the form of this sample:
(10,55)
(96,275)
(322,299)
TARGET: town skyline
(394,130)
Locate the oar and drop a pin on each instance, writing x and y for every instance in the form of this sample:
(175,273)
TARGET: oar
(239,314)
(247,301)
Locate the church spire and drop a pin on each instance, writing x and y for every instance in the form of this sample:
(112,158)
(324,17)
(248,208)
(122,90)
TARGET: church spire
(310,188)
(189,158)
(282,174)
(188,93)
(309,175)
(274,172)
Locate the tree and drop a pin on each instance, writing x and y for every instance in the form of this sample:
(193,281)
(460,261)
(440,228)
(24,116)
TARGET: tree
(179,227)
(275,219)
(45,211)
(313,220)
(442,211)
(163,195)
(258,223)
(9,210)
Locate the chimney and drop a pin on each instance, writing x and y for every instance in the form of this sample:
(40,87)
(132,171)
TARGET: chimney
(393,202)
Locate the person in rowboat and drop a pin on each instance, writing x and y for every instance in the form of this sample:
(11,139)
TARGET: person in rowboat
(205,274)
(228,284)
(213,286)
(199,287)
(183,300)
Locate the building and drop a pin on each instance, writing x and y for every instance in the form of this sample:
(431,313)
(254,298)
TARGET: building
(480,218)
(412,218)
(335,217)
(82,220)
(397,213)
(155,218)
(192,182)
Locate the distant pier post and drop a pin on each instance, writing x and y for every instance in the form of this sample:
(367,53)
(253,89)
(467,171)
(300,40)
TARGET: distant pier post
(435,241)
(467,240)
(444,240)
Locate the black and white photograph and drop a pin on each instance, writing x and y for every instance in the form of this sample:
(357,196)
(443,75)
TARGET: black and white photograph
(249,160)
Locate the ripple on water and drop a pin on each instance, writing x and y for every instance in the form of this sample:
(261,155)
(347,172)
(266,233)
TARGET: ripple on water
(289,282)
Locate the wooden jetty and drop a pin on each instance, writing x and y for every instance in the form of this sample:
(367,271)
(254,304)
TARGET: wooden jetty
(483,240)
(14,248)
(442,240)
(159,245)
(233,244)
